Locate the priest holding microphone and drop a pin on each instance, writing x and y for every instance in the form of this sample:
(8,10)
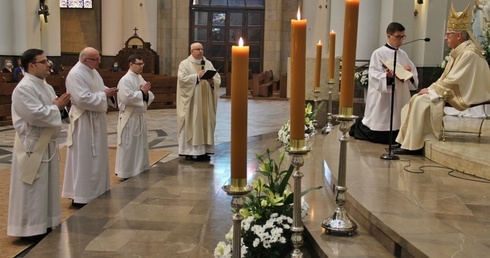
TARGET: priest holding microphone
(197,100)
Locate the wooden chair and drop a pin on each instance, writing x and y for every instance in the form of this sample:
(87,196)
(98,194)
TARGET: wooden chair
(486,117)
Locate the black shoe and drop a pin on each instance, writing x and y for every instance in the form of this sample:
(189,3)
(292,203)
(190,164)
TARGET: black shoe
(204,157)
(77,204)
(396,146)
(401,151)
(34,239)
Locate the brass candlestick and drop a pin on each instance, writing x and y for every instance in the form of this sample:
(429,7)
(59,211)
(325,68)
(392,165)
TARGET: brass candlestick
(329,126)
(298,149)
(340,221)
(237,203)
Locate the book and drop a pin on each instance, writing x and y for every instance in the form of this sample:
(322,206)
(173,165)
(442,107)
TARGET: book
(400,72)
(209,74)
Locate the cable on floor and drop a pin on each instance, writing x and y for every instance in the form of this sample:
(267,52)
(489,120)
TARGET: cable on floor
(452,172)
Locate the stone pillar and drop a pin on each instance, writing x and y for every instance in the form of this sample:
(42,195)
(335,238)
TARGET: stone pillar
(143,15)
(7,28)
(112,27)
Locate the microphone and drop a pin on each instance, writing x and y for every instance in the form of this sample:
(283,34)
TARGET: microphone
(202,64)
(424,39)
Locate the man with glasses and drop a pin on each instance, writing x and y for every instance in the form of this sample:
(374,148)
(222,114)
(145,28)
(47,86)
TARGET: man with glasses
(197,101)
(464,82)
(375,125)
(34,205)
(87,159)
(134,97)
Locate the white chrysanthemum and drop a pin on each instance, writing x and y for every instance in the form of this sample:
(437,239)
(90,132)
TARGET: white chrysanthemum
(229,235)
(256,242)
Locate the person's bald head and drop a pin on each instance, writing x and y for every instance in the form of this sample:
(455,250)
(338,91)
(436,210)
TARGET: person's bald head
(197,51)
(90,57)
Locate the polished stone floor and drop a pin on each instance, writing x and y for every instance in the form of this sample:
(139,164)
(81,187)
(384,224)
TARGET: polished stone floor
(405,208)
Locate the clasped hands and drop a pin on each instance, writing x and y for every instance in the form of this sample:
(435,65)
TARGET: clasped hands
(145,87)
(62,101)
(110,92)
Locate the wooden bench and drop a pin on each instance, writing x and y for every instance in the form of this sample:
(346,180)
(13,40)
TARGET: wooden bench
(260,88)
(283,86)
(7,77)
(486,117)
(6,90)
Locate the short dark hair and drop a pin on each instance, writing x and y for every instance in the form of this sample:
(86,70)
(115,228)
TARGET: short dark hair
(393,27)
(29,56)
(132,58)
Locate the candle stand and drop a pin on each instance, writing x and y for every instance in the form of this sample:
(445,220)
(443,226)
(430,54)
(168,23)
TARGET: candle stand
(236,205)
(315,105)
(340,221)
(297,228)
(329,127)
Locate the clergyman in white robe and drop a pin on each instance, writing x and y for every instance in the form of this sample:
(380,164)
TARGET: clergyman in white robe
(377,113)
(87,159)
(34,206)
(464,82)
(132,149)
(197,102)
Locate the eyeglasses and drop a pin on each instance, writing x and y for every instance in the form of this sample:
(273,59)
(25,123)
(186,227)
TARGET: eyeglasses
(198,49)
(450,33)
(399,36)
(45,61)
(139,63)
(94,59)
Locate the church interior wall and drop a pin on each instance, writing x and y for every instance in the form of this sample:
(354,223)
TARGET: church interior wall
(81,28)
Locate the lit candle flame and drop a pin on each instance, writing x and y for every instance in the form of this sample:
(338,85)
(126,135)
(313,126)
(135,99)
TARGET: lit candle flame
(240,42)
(299,15)
(320,41)
(333,31)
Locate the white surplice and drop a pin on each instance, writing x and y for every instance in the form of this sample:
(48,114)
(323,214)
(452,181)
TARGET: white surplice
(132,153)
(34,208)
(197,103)
(378,100)
(87,159)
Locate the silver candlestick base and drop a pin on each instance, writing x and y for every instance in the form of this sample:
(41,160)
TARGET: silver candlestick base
(315,91)
(340,221)
(297,152)
(236,205)
(329,126)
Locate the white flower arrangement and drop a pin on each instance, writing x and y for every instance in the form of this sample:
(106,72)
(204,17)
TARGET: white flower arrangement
(283,135)
(267,213)
(444,62)
(268,237)
(361,78)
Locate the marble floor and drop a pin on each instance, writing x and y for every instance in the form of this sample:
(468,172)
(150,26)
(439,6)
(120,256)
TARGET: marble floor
(406,208)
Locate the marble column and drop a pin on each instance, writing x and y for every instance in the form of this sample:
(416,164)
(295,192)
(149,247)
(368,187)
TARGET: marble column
(112,27)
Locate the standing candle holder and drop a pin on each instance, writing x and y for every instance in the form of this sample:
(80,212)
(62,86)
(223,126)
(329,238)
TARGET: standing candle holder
(297,150)
(329,126)
(315,105)
(236,204)
(340,221)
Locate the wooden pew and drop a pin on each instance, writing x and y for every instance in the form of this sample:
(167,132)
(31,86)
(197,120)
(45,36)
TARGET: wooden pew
(6,90)
(260,88)
(7,77)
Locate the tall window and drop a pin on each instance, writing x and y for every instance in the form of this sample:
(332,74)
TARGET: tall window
(219,24)
(76,4)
